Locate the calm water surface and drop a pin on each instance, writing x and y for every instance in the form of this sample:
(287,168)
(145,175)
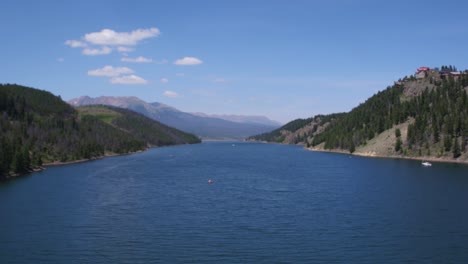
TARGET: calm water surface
(269,204)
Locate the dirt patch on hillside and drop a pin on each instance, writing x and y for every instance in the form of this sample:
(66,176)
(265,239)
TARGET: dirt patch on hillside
(384,144)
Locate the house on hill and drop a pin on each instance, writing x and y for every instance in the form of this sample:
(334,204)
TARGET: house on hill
(421,72)
(445,73)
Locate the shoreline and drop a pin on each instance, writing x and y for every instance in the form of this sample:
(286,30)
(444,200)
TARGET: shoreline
(366,155)
(44,166)
(431,159)
(60,163)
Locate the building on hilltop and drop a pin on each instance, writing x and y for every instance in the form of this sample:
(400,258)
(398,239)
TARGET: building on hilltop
(420,69)
(445,73)
(421,72)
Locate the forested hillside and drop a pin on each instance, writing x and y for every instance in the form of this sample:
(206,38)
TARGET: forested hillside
(151,131)
(434,108)
(299,130)
(37,127)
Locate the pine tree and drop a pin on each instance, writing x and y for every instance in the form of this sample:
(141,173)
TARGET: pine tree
(26,158)
(352,147)
(18,163)
(397,133)
(456,149)
(3,168)
(435,133)
(447,143)
(398,144)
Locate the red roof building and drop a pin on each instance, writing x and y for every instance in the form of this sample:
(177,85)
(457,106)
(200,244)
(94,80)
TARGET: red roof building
(423,69)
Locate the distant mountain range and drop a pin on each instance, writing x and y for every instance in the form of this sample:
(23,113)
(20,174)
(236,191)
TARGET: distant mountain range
(203,125)
(244,119)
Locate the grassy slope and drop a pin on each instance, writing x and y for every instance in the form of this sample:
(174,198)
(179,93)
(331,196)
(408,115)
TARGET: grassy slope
(383,145)
(153,132)
(103,113)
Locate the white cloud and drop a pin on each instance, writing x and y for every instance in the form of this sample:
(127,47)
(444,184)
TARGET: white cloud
(188,61)
(105,41)
(120,75)
(170,94)
(93,52)
(219,80)
(124,49)
(111,37)
(139,59)
(75,43)
(61,59)
(110,71)
(164,80)
(128,79)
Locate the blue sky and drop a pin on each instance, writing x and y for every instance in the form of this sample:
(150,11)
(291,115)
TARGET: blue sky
(281,59)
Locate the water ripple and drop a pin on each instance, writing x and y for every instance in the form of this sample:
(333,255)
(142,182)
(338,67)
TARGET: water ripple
(268,204)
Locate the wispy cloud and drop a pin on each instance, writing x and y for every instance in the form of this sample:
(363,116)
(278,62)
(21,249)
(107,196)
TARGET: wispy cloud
(120,75)
(128,79)
(75,43)
(110,71)
(164,80)
(170,94)
(124,49)
(188,61)
(99,51)
(139,59)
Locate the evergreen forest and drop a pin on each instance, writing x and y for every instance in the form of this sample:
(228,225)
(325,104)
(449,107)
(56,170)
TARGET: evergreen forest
(37,127)
(436,109)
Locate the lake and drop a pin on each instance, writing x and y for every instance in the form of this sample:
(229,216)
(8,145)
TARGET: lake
(267,204)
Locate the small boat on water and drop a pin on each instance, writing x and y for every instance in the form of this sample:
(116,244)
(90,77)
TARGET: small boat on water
(426,164)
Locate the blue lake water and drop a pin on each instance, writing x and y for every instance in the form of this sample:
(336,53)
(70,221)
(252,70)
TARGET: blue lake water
(268,204)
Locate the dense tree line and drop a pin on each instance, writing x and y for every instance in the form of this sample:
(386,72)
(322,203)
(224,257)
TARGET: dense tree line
(276,135)
(441,118)
(439,114)
(438,117)
(37,127)
(293,126)
(370,118)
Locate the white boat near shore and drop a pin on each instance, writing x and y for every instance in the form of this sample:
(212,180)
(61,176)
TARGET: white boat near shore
(426,164)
